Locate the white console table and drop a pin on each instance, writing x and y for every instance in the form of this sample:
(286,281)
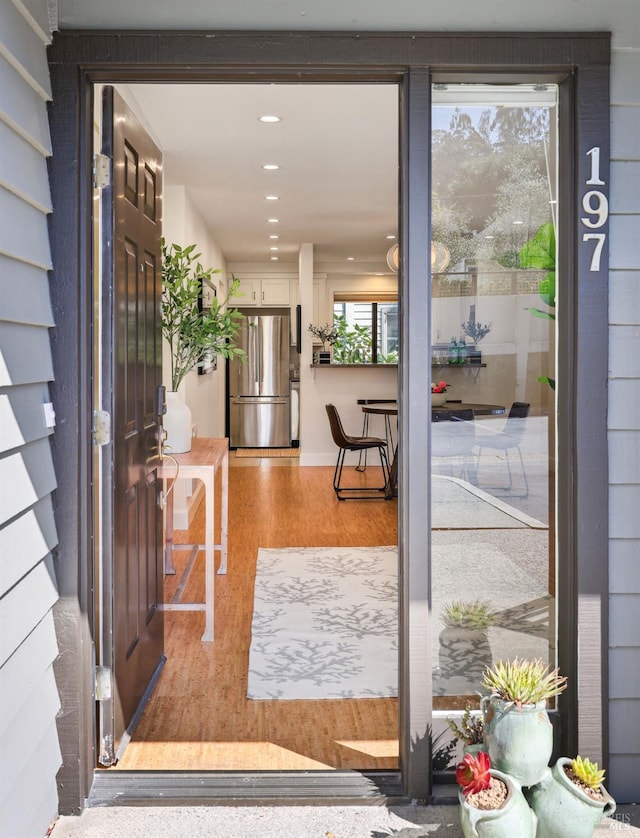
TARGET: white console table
(207,456)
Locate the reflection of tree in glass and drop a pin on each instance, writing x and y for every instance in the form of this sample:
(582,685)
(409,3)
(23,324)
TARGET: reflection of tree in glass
(489,171)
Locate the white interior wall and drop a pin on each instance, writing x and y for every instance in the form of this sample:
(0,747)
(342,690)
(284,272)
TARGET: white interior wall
(204,394)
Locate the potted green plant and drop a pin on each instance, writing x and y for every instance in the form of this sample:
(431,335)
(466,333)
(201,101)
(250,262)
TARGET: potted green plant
(463,645)
(491,802)
(518,733)
(570,799)
(326,335)
(469,730)
(192,333)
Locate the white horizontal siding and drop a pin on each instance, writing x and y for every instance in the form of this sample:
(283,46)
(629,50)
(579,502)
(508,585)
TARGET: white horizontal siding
(24,234)
(24,293)
(23,108)
(23,169)
(35,12)
(29,701)
(22,415)
(624,430)
(22,608)
(26,476)
(25,355)
(32,801)
(625,175)
(624,568)
(22,47)
(625,298)
(25,541)
(627,675)
(24,669)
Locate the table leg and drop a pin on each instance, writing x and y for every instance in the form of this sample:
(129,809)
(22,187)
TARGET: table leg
(169,567)
(224,514)
(209,541)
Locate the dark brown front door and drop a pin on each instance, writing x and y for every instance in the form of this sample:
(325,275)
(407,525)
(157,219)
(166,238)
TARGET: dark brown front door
(132,372)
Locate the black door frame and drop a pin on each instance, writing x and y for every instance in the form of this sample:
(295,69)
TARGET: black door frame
(580,62)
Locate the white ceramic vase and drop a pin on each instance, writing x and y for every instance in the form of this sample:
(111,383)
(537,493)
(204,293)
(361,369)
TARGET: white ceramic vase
(177,423)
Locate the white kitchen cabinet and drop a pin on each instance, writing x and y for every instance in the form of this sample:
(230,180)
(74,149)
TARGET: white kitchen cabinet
(265,292)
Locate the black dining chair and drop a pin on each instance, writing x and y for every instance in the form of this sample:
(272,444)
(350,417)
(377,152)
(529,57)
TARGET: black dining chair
(356,443)
(508,439)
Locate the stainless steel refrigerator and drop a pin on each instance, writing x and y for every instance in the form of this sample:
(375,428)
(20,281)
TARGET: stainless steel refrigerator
(259,395)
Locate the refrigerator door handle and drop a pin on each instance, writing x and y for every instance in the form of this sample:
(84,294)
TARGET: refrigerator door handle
(260,399)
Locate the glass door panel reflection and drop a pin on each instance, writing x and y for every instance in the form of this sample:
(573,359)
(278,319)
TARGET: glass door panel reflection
(494,343)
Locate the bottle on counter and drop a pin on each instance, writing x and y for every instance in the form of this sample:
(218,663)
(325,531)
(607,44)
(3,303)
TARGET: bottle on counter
(462,351)
(453,351)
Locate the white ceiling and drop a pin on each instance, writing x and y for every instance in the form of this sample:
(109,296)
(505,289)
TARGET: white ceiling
(618,16)
(337,148)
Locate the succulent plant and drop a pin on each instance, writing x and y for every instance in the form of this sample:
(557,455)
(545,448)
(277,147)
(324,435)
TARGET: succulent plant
(587,772)
(472,774)
(476,614)
(470,730)
(523,681)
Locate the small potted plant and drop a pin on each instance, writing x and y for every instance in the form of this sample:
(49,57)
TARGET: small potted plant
(469,730)
(491,803)
(570,799)
(476,331)
(438,393)
(191,333)
(326,335)
(464,652)
(518,733)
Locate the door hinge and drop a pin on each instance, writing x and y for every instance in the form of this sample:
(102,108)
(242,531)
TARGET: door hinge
(101,171)
(102,683)
(101,427)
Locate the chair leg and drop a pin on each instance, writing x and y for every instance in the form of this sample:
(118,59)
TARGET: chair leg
(362,458)
(509,486)
(364,492)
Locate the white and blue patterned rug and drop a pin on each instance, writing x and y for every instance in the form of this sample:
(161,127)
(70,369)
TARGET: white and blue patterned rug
(325,623)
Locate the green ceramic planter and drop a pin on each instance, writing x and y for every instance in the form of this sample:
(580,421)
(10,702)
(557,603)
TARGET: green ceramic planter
(519,742)
(564,809)
(514,820)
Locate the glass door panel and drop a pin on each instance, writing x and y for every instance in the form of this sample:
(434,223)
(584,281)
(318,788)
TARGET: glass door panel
(493,259)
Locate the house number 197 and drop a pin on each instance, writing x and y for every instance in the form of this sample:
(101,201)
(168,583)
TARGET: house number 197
(596,207)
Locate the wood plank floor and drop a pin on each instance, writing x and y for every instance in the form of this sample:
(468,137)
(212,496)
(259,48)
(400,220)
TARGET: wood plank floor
(198,717)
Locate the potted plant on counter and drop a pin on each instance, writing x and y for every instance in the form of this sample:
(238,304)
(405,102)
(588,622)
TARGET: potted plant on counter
(476,331)
(191,332)
(326,335)
(517,730)
(570,799)
(491,803)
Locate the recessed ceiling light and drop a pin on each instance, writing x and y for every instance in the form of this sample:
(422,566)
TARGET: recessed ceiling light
(274,236)
(271,198)
(274,248)
(269,118)
(390,236)
(271,167)
(273,220)
(351,258)
(275,259)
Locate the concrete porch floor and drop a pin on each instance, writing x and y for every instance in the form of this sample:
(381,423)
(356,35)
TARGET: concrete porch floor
(290,822)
